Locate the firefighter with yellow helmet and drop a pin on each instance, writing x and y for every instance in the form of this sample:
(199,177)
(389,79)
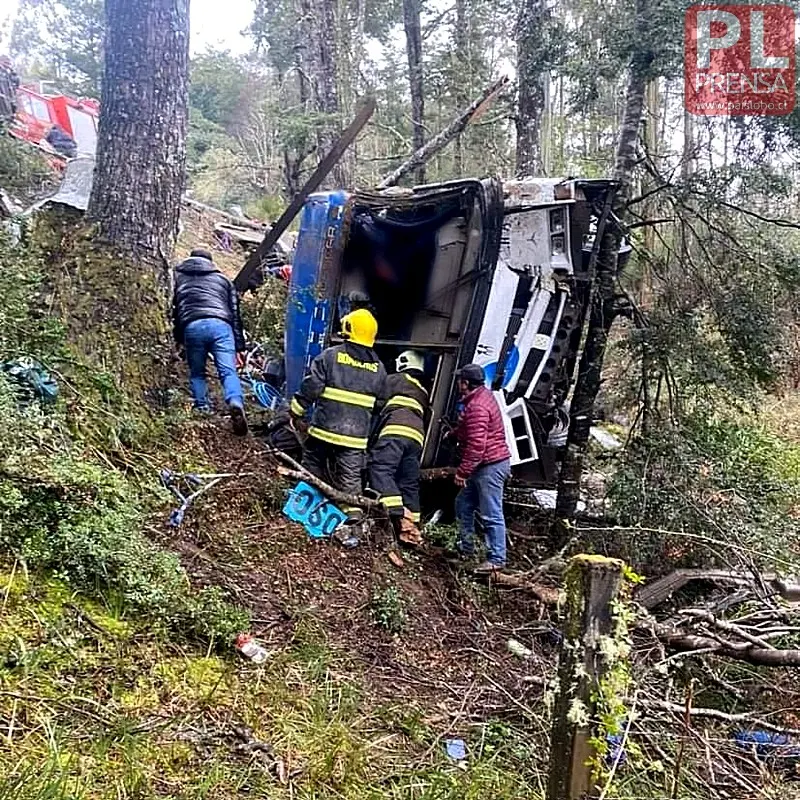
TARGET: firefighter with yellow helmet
(397,447)
(344,385)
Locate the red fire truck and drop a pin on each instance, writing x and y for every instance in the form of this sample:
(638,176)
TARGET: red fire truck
(37,113)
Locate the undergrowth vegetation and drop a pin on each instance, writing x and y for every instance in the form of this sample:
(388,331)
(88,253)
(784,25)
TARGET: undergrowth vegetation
(715,490)
(99,709)
(73,497)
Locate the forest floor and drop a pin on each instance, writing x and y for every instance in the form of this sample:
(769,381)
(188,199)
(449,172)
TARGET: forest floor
(342,707)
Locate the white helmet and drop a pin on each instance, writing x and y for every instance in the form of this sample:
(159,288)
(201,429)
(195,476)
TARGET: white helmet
(410,359)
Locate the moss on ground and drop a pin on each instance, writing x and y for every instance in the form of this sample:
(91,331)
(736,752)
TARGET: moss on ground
(96,704)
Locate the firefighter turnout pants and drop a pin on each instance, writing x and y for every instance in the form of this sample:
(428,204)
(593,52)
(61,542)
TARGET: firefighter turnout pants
(394,474)
(341,467)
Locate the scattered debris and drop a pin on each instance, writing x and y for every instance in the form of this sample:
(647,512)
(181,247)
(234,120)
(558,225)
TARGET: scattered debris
(251,649)
(201,484)
(315,512)
(655,593)
(345,535)
(518,649)
(456,749)
(606,440)
(31,380)
(76,186)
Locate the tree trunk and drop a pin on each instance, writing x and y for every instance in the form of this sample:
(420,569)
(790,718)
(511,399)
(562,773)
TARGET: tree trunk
(413,29)
(602,314)
(319,19)
(141,148)
(531,74)
(461,73)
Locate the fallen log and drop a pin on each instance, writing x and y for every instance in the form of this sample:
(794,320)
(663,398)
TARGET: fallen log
(436,473)
(653,594)
(751,654)
(546,594)
(442,139)
(243,222)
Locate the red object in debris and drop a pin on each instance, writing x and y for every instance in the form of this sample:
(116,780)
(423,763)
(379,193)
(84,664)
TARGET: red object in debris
(37,113)
(250,648)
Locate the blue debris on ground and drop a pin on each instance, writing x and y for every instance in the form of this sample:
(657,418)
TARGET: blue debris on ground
(456,749)
(318,515)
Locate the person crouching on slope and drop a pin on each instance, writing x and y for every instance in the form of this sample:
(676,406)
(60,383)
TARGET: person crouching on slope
(206,320)
(344,385)
(484,468)
(397,449)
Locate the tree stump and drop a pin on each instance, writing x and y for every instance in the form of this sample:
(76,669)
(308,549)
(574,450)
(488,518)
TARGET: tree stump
(592,583)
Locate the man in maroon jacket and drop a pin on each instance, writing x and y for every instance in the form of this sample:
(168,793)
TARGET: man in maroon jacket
(483,470)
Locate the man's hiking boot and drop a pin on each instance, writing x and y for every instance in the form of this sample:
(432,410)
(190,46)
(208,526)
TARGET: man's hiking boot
(238,420)
(488,568)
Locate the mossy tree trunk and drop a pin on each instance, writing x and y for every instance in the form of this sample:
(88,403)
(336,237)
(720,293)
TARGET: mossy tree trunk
(141,149)
(111,285)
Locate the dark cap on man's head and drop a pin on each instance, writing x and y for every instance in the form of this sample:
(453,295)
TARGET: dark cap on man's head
(199,252)
(473,374)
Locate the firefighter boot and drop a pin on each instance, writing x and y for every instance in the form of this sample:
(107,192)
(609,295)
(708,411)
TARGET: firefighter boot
(407,531)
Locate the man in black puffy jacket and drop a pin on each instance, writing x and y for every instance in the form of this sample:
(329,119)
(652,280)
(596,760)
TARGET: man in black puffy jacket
(206,319)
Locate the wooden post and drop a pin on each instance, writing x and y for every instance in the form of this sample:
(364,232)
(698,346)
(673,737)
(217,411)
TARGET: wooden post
(592,583)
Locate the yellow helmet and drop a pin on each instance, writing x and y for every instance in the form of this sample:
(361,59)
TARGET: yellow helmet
(360,327)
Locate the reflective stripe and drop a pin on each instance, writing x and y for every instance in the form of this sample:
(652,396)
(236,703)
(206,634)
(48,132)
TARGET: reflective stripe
(405,402)
(296,408)
(351,398)
(339,439)
(414,516)
(416,383)
(392,501)
(403,430)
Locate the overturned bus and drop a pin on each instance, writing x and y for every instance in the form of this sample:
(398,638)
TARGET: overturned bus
(466,271)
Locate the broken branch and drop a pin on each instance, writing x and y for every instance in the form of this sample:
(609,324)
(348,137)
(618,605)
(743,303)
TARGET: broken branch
(546,594)
(713,713)
(298,472)
(442,139)
(689,642)
(728,627)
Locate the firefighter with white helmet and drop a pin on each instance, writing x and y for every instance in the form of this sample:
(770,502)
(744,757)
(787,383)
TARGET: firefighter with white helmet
(397,446)
(345,384)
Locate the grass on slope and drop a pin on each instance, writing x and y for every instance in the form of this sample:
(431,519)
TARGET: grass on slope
(94,704)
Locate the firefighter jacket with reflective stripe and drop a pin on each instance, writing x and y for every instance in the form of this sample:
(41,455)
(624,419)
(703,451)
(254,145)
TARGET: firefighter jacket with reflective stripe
(406,410)
(345,384)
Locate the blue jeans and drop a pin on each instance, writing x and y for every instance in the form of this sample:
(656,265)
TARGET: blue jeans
(484,494)
(215,337)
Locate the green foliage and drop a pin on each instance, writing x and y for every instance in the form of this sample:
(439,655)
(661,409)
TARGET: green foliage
(445,536)
(83,521)
(218,84)
(715,489)
(24,171)
(63,509)
(204,136)
(263,314)
(62,41)
(389,609)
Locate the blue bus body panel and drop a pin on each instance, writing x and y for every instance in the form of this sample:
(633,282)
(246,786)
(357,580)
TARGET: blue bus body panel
(307,309)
